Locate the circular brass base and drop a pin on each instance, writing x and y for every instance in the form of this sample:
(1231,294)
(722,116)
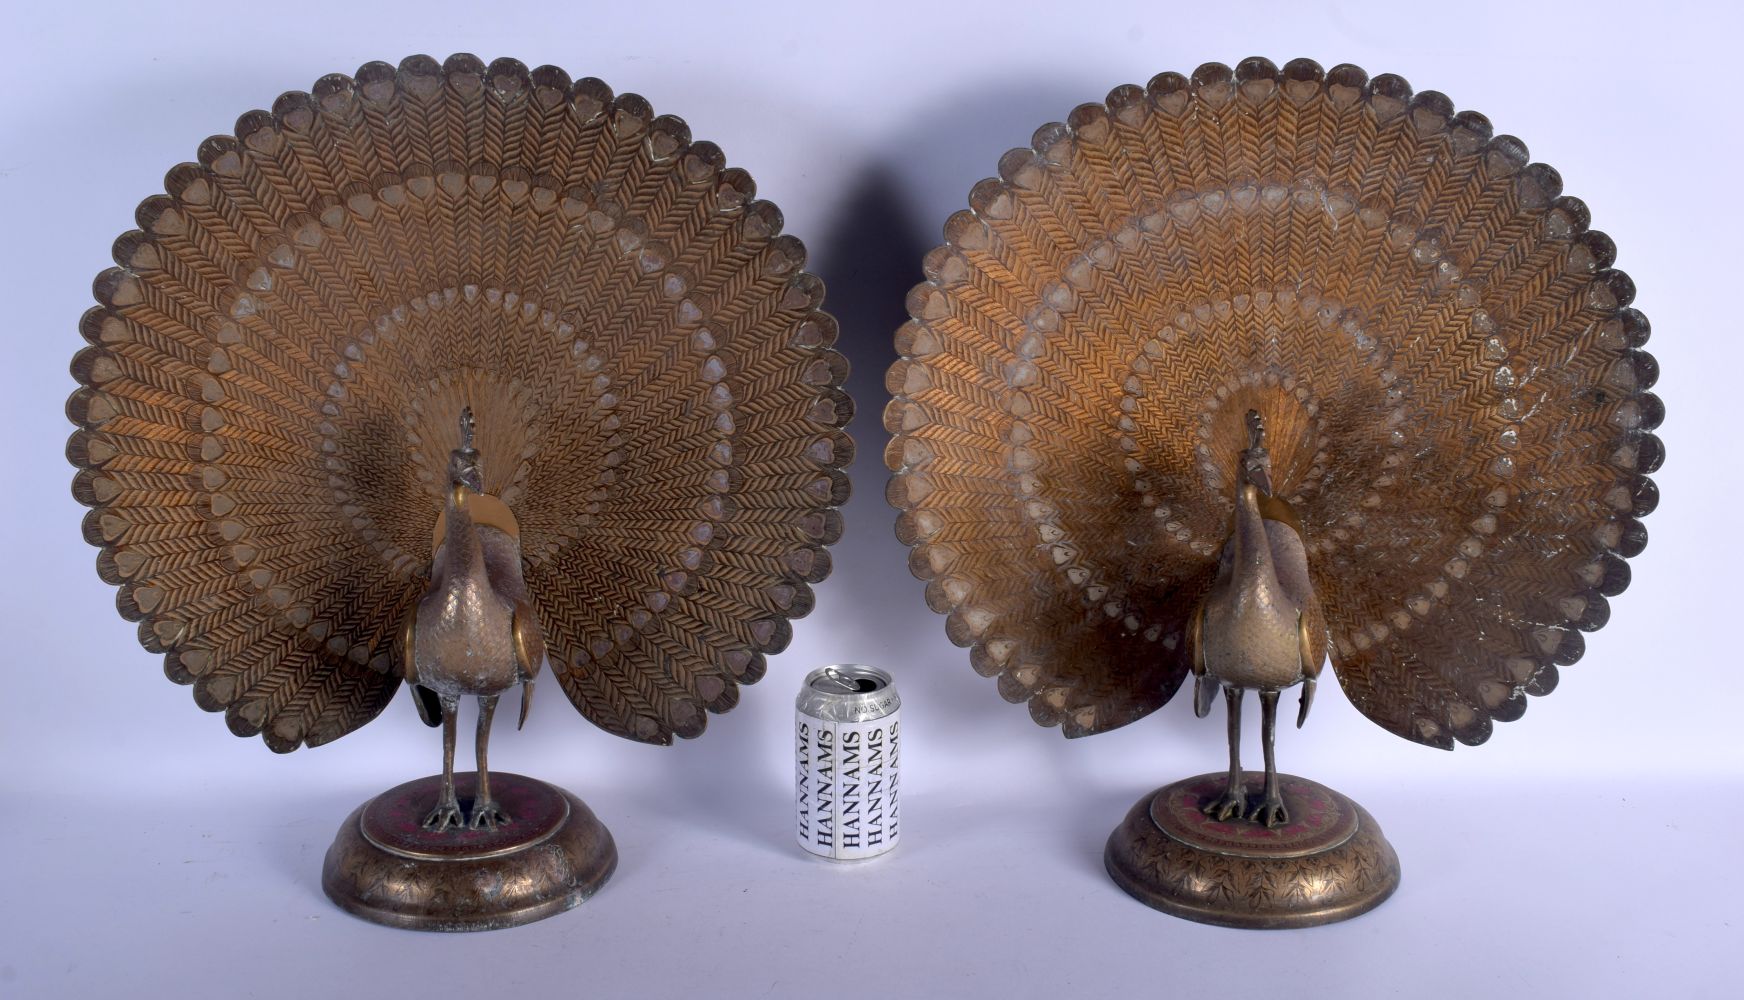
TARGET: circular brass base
(550,855)
(1328,863)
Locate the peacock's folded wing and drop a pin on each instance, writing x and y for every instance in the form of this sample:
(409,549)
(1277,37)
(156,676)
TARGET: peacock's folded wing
(1451,377)
(278,361)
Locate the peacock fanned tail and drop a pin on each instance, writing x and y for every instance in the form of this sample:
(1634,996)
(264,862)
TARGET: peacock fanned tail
(277,362)
(1448,365)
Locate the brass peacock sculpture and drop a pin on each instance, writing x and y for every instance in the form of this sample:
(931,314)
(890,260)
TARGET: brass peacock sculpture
(1236,371)
(499,297)
(475,631)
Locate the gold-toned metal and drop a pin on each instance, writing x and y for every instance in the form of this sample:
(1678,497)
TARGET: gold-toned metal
(474,632)
(270,413)
(555,858)
(1331,864)
(1236,372)
(485,510)
(1259,626)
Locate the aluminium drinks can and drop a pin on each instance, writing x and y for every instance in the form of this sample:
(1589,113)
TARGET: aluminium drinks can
(848,741)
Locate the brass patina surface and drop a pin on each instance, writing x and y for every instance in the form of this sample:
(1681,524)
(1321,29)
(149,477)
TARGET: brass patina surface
(276,366)
(1329,863)
(503,308)
(475,632)
(387,866)
(1239,373)
(1258,627)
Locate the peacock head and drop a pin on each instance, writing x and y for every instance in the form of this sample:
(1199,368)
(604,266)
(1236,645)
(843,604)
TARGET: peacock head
(464,467)
(1256,462)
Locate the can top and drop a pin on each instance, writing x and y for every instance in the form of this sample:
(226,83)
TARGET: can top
(848,692)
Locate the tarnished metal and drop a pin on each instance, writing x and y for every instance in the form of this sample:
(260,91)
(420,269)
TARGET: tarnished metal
(474,632)
(276,367)
(386,865)
(1259,627)
(1244,370)
(1330,862)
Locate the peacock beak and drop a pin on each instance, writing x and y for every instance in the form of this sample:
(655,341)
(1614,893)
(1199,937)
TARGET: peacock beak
(1261,479)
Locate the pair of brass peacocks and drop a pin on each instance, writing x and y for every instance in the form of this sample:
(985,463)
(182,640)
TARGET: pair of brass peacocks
(1217,377)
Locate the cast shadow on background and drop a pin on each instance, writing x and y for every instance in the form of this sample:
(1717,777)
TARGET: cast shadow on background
(869,256)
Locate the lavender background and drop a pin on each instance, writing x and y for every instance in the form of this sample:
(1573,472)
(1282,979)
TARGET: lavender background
(1590,849)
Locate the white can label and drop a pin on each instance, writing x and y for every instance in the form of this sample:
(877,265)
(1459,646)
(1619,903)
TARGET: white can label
(847,784)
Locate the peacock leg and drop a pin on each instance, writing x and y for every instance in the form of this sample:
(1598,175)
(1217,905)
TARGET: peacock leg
(1232,804)
(485,813)
(447,811)
(1271,809)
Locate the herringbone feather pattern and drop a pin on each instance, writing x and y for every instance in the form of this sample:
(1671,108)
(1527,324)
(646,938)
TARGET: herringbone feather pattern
(278,362)
(1447,364)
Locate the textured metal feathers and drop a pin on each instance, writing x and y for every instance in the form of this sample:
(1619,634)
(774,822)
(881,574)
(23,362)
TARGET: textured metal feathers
(1447,363)
(278,360)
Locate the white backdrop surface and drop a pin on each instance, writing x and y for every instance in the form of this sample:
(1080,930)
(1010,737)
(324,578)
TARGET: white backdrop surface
(1590,849)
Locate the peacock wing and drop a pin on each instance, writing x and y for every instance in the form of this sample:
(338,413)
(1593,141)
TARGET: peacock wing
(278,362)
(1455,400)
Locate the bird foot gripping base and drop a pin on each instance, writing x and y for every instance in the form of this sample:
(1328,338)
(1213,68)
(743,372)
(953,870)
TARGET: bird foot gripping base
(1328,862)
(550,856)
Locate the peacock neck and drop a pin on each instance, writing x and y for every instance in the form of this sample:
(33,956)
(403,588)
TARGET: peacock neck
(462,550)
(1252,567)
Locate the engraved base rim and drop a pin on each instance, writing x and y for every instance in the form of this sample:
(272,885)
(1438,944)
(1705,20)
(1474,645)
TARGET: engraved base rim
(508,879)
(1249,889)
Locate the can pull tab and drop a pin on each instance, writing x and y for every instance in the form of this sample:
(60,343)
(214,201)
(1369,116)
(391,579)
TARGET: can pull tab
(841,681)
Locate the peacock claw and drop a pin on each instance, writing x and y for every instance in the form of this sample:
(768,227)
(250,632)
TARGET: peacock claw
(445,815)
(488,816)
(1232,804)
(1270,812)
